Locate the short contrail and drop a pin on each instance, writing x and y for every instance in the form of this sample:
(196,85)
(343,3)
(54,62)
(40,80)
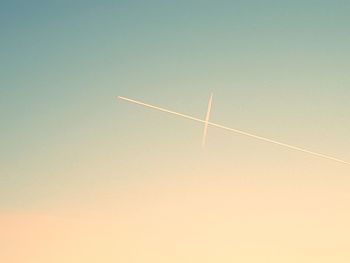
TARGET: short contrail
(206,122)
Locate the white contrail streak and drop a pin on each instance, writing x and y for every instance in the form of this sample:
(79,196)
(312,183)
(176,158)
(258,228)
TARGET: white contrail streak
(161,109)
(206,122)
(279,143)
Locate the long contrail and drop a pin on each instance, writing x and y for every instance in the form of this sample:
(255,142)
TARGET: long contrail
(161,109)
(206,122)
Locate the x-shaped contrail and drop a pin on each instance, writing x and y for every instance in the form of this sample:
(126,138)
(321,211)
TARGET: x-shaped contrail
(207,123)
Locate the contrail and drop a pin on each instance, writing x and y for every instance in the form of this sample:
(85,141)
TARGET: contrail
(161,109)
(206,122)
(278,143)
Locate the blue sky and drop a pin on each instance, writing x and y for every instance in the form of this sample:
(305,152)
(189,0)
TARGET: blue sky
(88,178)
(277,68)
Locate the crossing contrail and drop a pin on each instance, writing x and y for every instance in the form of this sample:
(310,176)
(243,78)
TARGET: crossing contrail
(207,122)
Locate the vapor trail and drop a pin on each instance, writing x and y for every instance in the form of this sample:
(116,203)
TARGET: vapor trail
(206,122)
(161,109)
(278,143)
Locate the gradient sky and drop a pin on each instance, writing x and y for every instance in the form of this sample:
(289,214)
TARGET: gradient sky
(87,178)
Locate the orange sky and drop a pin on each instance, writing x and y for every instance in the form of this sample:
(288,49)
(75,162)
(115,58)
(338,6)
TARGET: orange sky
(215,219)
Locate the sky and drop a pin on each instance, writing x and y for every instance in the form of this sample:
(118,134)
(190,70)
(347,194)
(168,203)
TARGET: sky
(87,177)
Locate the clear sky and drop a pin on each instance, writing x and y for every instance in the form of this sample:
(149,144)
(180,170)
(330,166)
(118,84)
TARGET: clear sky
(79,169)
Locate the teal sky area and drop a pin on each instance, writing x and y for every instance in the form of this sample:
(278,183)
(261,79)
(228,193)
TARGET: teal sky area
(279,69)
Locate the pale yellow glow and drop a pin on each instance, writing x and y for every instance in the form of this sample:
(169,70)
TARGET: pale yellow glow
(215,219)
(237,131)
